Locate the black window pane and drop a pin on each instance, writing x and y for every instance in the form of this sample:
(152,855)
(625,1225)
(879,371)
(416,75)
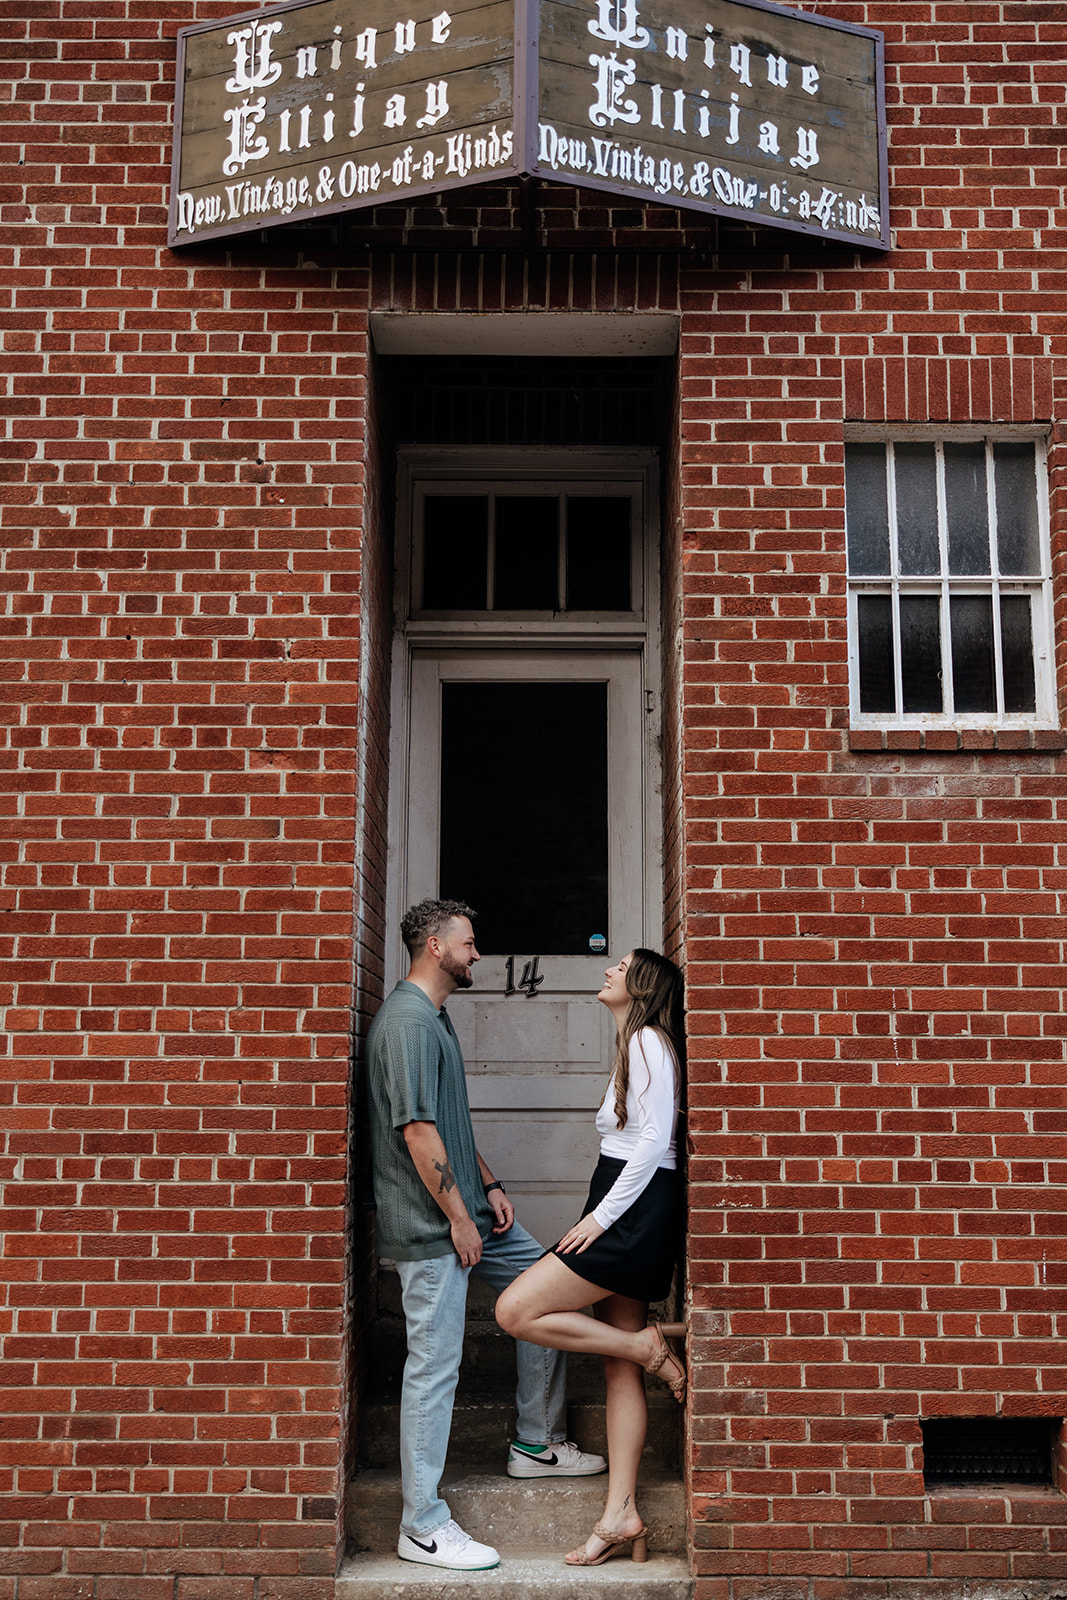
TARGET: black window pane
(867,509)
(455,530)
(598,553)
(967,509)
(524,813)
(526,553)
(973,687)
(915,469)
(1018,534)
(920,652)
(1017,649)
(877,690)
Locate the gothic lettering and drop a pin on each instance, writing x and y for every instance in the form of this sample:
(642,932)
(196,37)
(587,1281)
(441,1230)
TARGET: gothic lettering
(245,144)
(807,149)
(613,78)
(616,22)
(677,44)
(252,64)
(436,104)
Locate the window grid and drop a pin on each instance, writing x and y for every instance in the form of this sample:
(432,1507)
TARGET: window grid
(563,495)
(945,586)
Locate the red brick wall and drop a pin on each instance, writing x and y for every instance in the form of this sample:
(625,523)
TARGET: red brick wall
(877,1053)
(181,534)
(873,937)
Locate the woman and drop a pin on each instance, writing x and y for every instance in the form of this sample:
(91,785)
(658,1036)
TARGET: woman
(621,1254)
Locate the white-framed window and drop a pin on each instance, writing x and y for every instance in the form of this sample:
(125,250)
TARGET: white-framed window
(949,603)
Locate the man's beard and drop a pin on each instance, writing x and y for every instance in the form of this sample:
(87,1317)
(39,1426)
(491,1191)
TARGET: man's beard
(458,971)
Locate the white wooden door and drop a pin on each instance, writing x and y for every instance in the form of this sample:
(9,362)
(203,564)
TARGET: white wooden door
(526,782)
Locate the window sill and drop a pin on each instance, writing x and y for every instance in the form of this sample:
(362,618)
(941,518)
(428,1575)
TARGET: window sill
(950,741)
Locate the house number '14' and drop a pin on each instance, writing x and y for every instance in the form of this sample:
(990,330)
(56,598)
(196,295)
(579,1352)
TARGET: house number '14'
(531,979)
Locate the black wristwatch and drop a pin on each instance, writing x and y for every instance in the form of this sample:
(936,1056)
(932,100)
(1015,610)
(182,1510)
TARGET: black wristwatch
(496,1184)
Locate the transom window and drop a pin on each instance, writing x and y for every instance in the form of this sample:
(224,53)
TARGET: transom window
(518,549)
(948,559)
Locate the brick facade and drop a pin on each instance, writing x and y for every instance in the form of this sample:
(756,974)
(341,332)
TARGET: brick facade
(196,551)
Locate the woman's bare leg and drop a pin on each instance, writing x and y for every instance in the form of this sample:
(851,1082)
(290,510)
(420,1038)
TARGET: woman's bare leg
(627,1412)
(545,1306)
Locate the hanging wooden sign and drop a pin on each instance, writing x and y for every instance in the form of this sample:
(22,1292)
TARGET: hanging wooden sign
(324,105)
(736,107)
(732,106)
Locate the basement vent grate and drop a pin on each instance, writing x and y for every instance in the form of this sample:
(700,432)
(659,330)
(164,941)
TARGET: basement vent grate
(989,1449)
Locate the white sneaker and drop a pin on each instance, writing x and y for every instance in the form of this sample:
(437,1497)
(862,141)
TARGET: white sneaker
(563,1460)
(448,1547)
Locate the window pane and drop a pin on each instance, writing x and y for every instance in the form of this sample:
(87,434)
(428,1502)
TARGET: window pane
(915,470)
(877,690)
(972,653)
(524,813)
(526,550)
(920,652)
(1017,647)
(598,553)
(455,532)
(867,509)
(1018,534)
(967,509)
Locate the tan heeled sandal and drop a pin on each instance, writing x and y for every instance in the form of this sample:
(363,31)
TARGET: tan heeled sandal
(663,1353)
(613,1542)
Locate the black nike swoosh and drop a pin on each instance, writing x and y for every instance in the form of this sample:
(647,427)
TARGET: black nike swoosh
(431,1548)
(549,1461)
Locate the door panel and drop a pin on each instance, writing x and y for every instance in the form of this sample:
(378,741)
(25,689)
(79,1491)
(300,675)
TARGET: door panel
(539,801)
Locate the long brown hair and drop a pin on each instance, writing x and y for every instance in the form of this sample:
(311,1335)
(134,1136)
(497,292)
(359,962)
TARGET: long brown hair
(657,993)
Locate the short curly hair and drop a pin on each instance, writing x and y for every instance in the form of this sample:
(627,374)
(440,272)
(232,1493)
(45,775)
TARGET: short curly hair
(426,919)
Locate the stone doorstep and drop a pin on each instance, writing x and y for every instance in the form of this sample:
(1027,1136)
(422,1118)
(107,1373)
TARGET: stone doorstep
(482,1430)
(519,1515)
(527,1575)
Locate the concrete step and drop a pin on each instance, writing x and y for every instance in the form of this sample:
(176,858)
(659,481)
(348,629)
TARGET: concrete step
(482,1430)
(520,1516)
(524,1575)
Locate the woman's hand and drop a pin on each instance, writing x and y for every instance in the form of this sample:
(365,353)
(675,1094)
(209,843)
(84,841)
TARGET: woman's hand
(580,1236)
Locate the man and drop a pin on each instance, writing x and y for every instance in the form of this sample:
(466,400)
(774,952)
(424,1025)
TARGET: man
(441,1216)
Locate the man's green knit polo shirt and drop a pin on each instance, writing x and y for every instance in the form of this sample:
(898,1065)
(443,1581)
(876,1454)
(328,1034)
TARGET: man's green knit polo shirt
(416,1075)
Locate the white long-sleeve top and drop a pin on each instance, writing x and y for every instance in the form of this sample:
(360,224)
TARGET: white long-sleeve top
(648,1139)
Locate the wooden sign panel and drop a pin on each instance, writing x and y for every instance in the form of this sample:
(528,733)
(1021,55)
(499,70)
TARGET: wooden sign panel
(738,107)
(305,109)
(733,106)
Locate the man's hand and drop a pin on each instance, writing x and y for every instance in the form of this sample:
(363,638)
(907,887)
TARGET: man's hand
(467,1242)
(503,1210)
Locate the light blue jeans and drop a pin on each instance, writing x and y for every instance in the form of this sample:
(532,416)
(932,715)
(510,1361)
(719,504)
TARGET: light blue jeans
(435,1305)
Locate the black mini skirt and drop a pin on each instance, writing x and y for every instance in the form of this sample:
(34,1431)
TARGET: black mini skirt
(636,1255)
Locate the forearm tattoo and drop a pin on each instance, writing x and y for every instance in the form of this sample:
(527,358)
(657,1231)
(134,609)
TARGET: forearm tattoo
(448,1182)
